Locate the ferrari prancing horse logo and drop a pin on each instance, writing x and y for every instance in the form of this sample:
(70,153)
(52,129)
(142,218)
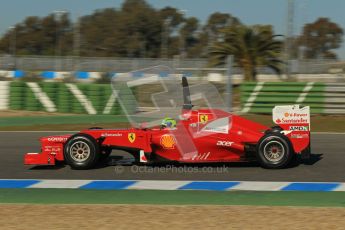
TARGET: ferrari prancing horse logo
(203,118)
(131,137)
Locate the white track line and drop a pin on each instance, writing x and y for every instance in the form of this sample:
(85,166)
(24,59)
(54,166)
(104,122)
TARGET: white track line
(60,184)
(160,185)
(260,185)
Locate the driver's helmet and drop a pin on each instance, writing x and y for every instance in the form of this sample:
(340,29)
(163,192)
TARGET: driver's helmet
(168,123)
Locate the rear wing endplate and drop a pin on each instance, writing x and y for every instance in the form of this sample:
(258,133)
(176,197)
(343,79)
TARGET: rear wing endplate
(291,115)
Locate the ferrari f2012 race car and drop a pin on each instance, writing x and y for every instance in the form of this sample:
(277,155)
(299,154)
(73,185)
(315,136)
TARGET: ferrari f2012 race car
(199,136)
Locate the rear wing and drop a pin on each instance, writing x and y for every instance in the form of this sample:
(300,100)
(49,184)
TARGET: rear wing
(292,117)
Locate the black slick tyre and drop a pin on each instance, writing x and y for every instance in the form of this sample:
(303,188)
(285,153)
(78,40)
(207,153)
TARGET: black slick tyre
(81,151)
(274,151)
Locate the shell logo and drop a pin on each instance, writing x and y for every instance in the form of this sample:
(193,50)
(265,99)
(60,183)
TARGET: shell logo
(168,141)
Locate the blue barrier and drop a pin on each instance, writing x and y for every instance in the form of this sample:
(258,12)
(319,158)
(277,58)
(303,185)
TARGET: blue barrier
(82,75)
(18,74)
(48,74)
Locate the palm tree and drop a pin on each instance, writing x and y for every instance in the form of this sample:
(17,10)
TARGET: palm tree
(251,46)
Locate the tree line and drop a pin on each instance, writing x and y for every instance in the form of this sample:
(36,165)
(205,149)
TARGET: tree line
(137,30)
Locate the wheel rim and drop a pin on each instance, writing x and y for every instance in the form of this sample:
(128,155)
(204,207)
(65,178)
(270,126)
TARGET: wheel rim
(80,151)
(274,151)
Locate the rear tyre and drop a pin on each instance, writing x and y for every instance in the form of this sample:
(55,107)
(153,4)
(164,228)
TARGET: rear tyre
(81,151)
(274,151)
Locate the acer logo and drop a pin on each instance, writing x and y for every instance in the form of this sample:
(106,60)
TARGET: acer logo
(224,143)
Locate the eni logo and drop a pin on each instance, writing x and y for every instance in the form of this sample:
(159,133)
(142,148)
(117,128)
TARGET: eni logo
(131,137)
(168,141)
(203,118)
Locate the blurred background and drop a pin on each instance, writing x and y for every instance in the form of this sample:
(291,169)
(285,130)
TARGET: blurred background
(273,52)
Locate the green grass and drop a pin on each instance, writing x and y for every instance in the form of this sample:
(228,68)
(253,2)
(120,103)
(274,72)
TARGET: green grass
(64,119)
(63,122)
(79,196)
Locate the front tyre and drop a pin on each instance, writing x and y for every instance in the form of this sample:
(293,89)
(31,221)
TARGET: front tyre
(274,151)
(81,151)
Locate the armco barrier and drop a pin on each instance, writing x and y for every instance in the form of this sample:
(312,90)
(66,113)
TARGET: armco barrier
(323,98)
(61,97)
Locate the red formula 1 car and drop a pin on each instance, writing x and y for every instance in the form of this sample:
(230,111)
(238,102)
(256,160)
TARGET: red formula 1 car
(200,136)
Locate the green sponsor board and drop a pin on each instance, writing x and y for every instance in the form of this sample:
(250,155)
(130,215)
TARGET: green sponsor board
(78,98)
(262,97)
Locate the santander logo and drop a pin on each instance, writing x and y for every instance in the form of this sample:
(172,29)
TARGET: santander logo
(291,114)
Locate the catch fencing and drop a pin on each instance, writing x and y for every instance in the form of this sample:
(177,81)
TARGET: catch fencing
(120,65)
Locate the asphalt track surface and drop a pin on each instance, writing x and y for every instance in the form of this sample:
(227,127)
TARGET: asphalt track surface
(327,165)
